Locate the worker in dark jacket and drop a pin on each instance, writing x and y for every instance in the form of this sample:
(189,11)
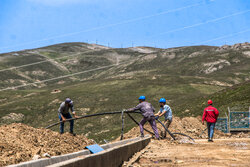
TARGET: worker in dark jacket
(210,115)
(63,113)
(147,111)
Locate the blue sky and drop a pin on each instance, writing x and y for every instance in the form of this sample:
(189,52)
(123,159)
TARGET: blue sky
(26,24)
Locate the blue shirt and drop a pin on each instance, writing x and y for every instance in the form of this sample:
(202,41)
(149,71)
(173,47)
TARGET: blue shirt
(168,114)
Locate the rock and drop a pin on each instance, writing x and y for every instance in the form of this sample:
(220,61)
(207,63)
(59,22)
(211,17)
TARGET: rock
(46,155)
(11,152)
(38,151)
(179,161)
(35,157)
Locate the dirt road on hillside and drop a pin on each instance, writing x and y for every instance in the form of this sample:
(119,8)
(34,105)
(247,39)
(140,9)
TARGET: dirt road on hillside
(222,153)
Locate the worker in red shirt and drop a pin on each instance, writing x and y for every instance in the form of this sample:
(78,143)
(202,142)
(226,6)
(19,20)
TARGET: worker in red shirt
(210,115)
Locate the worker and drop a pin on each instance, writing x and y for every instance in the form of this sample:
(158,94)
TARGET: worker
(63,113)
(147,111)
(210,115)
(167,112)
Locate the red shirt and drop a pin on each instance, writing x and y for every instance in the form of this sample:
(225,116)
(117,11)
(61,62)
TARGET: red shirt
(210,114)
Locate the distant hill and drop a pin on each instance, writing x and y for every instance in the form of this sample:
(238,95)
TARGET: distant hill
(108,79)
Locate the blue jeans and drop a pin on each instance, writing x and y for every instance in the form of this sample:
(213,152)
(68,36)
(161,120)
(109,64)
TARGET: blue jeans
(210,129)
(67,116)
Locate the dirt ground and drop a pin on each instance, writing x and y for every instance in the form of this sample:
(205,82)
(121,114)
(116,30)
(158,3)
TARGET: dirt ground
(222,152)
(226,150)
(19,143)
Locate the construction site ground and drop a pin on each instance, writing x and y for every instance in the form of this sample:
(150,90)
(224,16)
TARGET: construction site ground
(226,150)
(19,143)
(222,152)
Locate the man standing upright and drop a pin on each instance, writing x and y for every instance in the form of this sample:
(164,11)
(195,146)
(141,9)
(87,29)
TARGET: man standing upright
(147,111)
(210,115)
(167,112)
(63,113)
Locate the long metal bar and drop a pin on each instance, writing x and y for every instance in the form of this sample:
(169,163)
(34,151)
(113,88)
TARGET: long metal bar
(122,116)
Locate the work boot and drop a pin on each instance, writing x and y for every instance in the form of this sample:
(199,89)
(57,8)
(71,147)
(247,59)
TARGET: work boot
(72,133)
(210,140)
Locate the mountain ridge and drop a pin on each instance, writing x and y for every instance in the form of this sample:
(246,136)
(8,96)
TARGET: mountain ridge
(182,75)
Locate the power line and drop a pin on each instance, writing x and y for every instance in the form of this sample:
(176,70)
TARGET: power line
(107,26)
(202,23)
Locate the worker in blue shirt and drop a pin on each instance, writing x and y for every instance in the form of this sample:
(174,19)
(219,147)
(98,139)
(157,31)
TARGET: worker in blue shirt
(167,112)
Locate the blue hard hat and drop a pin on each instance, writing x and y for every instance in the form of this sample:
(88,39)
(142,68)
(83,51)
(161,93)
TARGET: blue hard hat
(142,98)
(162,100)
(68,100)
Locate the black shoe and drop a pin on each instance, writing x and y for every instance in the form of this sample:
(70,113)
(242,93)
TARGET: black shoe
(210,140)
(142,135)
(72,133)
(61,133)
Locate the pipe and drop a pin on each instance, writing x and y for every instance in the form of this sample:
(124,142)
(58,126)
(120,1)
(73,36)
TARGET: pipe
(166,129)
(138,124)
(175,133)
(120,112)
(86,116)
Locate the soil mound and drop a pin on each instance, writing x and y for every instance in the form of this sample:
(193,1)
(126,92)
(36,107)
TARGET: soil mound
(19,142)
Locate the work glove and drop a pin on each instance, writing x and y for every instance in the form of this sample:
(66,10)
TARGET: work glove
(157,117)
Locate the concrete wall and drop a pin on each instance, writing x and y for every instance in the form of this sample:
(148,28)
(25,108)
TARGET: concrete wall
(111,157)
(48,161)
(57,159)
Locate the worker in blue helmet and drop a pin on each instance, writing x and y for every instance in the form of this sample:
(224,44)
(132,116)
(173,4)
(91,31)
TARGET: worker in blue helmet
(167,112)
(63,114)
(147,111)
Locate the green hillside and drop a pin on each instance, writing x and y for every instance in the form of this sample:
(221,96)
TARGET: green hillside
(186,76)
(236,97)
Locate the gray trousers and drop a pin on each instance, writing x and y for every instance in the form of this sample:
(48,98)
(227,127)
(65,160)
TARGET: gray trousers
(167,124)
(151,120)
